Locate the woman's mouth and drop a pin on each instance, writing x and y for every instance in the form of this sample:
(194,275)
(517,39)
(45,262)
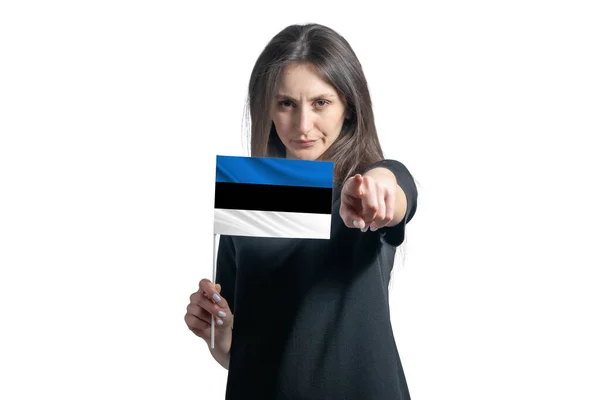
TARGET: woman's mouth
(304,143)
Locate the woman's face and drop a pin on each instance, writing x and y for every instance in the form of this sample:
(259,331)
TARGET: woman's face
(307,112)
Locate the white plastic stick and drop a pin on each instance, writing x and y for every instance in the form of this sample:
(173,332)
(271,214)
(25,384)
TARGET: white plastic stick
(212,326)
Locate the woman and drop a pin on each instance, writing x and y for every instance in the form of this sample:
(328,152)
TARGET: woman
(312,316)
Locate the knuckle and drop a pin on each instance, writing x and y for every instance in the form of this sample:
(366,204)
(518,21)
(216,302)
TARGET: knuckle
(194,309)
(203,305)
(195,324)
(223,302)
(197,301)
(372,207)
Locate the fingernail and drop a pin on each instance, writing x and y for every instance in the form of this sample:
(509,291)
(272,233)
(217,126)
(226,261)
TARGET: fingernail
(356,224)
(373,228)
(219,322)
(222,314)
(216,297)
(366,228)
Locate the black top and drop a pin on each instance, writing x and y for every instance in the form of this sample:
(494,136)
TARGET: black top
(311,316)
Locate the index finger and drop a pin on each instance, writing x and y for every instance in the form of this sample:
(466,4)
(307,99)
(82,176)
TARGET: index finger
(360,185)
(354,186)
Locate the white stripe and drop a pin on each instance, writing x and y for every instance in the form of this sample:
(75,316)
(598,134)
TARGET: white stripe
(272,224)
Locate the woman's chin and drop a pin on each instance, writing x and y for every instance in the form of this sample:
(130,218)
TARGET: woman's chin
(304,154)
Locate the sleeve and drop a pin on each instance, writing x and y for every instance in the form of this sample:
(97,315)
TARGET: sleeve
(226,270)
(395,235)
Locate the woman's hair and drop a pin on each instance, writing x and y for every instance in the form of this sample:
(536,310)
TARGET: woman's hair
(357,146)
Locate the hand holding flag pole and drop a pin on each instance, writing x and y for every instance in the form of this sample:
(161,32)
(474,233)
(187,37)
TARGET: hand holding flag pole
(271,197)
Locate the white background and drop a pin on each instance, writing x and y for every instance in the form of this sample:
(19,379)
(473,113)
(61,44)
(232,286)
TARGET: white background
(111,114)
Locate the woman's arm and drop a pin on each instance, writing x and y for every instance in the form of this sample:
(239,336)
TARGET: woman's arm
(382,198)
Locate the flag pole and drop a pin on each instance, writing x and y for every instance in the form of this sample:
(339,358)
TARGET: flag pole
(212,325)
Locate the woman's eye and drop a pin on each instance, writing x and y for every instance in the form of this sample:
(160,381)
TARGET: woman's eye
(321,103)
(285,103)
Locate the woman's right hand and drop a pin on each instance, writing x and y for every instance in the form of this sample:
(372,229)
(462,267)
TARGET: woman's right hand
(205,303)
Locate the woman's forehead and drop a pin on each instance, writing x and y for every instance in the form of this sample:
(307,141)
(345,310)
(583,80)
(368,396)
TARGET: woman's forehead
(304,80)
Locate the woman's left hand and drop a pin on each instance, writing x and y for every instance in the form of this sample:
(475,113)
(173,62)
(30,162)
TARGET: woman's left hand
(368,202)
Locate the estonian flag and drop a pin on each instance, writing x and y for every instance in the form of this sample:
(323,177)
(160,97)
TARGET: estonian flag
(273,197)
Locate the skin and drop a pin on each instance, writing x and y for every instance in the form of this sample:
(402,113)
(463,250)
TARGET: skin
(372,201)
(306,108)
(308,115)
(204,303)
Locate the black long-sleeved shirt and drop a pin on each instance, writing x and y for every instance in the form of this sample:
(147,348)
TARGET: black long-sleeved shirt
(312,316)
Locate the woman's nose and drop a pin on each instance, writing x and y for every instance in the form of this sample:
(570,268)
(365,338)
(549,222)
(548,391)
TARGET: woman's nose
(305,122)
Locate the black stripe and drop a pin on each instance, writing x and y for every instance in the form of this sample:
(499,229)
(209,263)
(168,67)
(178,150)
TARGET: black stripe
(243,196)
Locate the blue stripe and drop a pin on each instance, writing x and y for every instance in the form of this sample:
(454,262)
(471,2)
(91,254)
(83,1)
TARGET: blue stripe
(275,171)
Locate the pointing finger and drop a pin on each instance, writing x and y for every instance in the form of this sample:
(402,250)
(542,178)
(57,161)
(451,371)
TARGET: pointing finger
(360,190)
(353,187)
(370,203)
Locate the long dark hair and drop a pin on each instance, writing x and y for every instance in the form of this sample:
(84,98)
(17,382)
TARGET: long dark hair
(357,146)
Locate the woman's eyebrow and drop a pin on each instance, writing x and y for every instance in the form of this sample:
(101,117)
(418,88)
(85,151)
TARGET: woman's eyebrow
(320,96)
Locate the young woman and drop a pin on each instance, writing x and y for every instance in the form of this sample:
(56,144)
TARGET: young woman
(312,316)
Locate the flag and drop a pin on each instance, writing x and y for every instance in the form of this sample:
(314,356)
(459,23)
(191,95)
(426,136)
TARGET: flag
(273,197)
